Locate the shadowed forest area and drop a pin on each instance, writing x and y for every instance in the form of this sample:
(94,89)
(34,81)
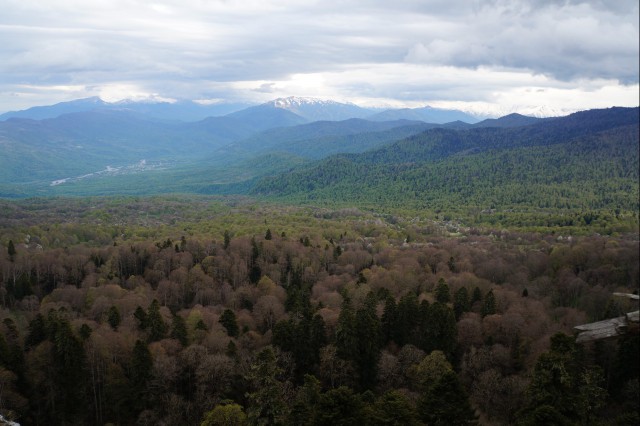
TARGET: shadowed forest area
(196,311)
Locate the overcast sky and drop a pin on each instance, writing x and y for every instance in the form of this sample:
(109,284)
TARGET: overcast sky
(489,56)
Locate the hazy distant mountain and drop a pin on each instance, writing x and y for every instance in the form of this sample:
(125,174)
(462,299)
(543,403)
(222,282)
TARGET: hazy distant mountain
(538,111)
(181,110)
(457,125)
(110,143)
(52,111)
(267,116)
(310,109)
(322,138)
(317,109)
(511,120)
(426,114)
(41,151)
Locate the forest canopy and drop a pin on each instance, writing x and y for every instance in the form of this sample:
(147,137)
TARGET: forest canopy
(187,310)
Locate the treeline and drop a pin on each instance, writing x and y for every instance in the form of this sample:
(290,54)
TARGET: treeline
(267,315)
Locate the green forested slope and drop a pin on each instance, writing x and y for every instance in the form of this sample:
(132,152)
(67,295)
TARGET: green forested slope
(585,162)
(322,138)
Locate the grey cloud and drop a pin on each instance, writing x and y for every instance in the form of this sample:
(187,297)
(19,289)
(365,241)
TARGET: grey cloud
(266,88)
(548,38)
(192,46)
(617,6)
(571,41)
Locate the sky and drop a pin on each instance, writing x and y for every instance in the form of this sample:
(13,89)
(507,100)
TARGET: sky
(486,57)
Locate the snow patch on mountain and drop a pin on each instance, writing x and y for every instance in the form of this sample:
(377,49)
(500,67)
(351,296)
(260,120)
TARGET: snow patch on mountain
(295,101)
(495,111)
(315,109)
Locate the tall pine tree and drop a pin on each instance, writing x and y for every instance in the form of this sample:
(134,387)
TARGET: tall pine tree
(11,250)
(488,304)
(367,326)
(446,403)
(155,323)
(346,338)
(442,292)
(461,302)
(267,403)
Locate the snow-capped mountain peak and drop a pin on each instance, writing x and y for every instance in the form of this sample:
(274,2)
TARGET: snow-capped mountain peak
(314,109)
(296,101)
(149,99)
(543,111)
(495,111)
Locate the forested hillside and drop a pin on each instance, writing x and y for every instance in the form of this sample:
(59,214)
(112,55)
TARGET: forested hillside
(104,152)
(323,138)
(183,310)
(587,162)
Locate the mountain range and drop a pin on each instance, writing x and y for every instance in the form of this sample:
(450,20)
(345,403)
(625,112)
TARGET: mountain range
(309,150)
(301,109)
(182,110)
(62,142)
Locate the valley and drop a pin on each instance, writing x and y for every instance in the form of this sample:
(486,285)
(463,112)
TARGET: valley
(524,168)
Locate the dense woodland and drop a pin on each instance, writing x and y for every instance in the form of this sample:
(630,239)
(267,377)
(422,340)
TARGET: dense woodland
(190,310)
(586,163)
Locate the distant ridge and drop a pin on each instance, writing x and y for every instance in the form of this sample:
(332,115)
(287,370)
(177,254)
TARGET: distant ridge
(103,142)
(267,116)
(310,109)
(56,110)
(181,110)
(511,120)
(321,138)
(426,114)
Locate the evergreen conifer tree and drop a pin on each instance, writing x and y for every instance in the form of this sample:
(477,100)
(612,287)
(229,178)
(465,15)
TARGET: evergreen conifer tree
(563,388)
(156,325)
(442,329)
(346,339)
(367,326)
(227,239)
(113,317)
(267,404)
(488,304)
(179,330)
(228,321)
(11,250)
(140,373)
(446,403)
(476,296)
(461,302)
(442,292)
